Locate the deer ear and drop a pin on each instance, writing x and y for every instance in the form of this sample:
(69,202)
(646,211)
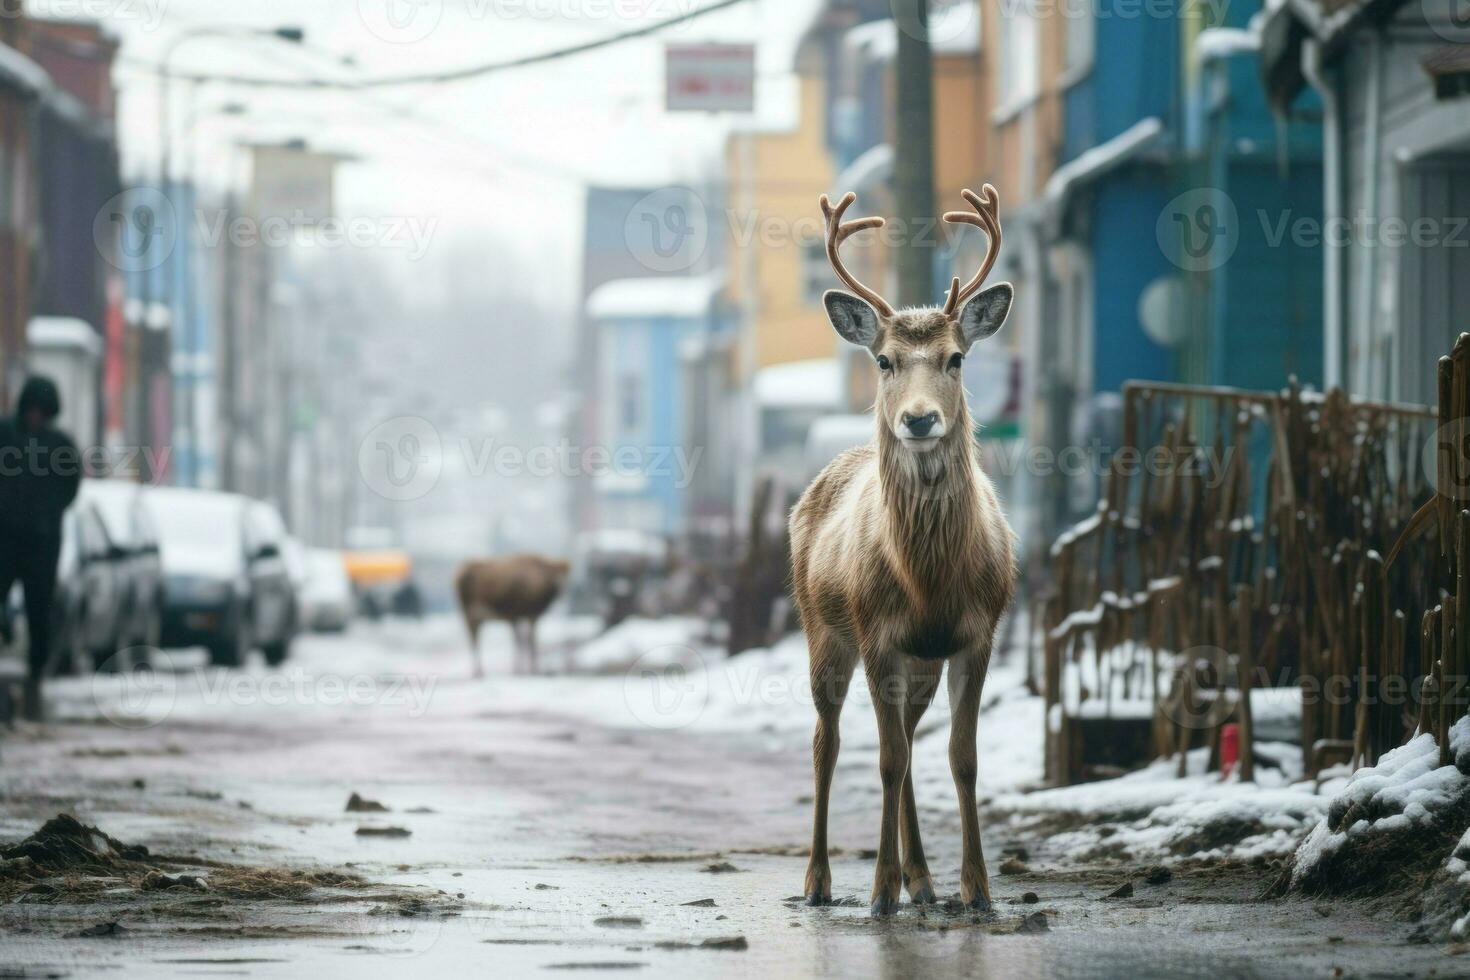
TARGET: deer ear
(854,320)
(986,313)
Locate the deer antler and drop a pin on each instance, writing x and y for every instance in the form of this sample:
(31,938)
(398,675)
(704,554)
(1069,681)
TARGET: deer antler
(837,233)
(987,217)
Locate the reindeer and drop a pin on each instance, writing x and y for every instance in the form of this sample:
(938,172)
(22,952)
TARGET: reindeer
(517,589)
(901,558)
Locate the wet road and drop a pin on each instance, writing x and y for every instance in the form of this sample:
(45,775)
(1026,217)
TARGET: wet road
(552,838)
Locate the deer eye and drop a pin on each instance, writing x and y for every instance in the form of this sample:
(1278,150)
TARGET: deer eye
(955,361)
(884,364)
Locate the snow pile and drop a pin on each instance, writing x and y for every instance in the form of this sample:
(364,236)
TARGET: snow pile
(668,680)
(769,691)
(1457,868)
(1390,820)
(1154,815)
(1408,789)
(675,639)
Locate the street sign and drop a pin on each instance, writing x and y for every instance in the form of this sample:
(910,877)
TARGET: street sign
(710,77)
(290,181)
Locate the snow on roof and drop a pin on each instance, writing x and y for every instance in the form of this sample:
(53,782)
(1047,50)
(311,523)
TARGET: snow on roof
(833,434)
(63,331)
(114,500)
(816,383)
(622,541)
(846,430)
(954,29)
(1222,42)
(655,296)
(1097,161)
(21,72)
(871,166)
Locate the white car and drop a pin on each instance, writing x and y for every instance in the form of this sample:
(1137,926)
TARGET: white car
(325,598)
(226,585)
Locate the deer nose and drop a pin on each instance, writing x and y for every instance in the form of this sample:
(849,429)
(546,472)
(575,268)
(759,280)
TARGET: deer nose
(919,425)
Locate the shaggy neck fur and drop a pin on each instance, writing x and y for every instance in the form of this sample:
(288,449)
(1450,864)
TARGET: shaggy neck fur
(929,502)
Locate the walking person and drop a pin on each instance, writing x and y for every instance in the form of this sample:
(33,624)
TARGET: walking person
(40,472)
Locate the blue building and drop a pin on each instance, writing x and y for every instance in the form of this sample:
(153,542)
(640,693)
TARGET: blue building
(1177,209)
(1261,295)
(654,334)
(168,289)
(1387,77)
(1175,231)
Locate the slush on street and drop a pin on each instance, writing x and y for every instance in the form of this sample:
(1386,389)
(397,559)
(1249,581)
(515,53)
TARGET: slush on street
(734,488)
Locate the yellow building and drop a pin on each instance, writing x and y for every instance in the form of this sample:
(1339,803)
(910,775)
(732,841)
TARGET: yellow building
(775,230)
(997,118)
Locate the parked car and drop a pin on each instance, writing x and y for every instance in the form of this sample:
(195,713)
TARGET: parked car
(226,585)
(297,566)
(275,617)
(326,598)
(131,530)
(87,610)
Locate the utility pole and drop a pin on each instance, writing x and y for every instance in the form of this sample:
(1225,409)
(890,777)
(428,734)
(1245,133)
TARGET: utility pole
(913,152)
(14,269)
(11,12)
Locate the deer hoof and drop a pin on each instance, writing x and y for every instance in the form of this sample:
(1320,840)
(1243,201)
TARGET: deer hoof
(920,887)
(883,906)
(818,885)
(980,904)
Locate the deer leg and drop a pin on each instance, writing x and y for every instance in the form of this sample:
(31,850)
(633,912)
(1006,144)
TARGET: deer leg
(923,683)
(531,650)
(966,678)
(831,671)
(889,683)
(474,627)
(523,660)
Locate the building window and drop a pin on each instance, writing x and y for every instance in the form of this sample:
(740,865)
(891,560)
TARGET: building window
(8,192)
(630,401)
(1020,54)
(815,276)
(1080,39)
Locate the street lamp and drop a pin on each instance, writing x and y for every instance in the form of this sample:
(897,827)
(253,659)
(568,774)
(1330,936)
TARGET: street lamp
(290,35)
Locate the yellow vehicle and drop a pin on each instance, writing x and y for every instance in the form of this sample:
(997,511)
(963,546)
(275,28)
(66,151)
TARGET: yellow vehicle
(383,581)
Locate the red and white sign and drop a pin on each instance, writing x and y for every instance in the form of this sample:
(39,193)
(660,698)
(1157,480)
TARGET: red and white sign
(710,77)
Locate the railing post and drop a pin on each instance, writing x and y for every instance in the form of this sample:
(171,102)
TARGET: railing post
(1246,667)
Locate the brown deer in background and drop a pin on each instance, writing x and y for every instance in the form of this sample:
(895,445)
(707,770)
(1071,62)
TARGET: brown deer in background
(518,589)
(901,558)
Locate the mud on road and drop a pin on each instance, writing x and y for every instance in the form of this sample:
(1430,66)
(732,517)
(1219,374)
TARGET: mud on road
(529,842)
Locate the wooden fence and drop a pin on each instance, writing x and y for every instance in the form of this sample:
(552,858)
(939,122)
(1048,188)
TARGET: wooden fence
(1239,544)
